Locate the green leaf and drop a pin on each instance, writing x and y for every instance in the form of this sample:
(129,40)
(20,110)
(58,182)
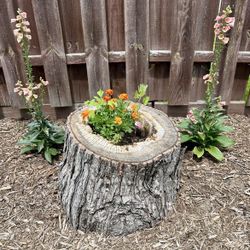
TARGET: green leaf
(184,124)
(100,92)
(27,149)
(53,151)
(226,128)
(40,146)
(48,156)
(145,100)
(198,151)
(185,137)
(202,135)
(215,152)
(224,141)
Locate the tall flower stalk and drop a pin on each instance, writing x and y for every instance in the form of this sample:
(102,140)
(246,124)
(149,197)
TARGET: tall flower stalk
(33,93)
(223,24)
(42,136)
(204,129)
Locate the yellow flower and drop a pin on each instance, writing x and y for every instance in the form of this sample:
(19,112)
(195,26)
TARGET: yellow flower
(118,120)
(135,115)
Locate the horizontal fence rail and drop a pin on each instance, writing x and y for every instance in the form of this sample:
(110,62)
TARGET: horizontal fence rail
(80,46)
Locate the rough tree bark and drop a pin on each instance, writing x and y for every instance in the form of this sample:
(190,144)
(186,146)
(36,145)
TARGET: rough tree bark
(114,189)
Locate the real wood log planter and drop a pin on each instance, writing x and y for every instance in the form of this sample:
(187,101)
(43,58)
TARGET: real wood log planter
(114,189)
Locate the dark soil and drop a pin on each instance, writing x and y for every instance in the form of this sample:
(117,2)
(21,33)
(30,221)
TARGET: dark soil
(212,210)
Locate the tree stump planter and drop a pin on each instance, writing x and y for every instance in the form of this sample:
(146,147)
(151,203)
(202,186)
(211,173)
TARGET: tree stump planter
(114,189)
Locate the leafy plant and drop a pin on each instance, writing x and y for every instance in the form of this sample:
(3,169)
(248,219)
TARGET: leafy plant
(114,118)
(42,136)
(205,129)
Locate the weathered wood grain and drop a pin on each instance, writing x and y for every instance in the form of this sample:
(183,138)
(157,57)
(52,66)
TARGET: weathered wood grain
(115,22)
(10,56)
(96,44)
(115,189)
(137,43)
(49,28)
(182,52)
(160,19)
(4,95)
(229,69)
(70,12)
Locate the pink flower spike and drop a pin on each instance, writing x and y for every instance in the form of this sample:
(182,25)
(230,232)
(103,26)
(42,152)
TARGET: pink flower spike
(217,25)
(217,32)
(205,77)
(12,20)
(226,28)
(45,83)
(27,23)
(223,16)
(16,90)
(218,18)
(225,40)
(23,14)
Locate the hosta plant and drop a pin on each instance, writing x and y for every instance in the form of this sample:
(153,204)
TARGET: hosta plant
(42,136)
(115,118)
(204,129)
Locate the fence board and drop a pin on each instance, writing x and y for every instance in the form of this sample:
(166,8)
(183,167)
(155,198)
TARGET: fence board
(182,54)
(232,51)
(78,83)
(52,49)
(95,39)
(161,14)
(4,96)
(245,39)
(70,12)
(158,81)
(115,21)
(10,56)
(118,77)
(136,42)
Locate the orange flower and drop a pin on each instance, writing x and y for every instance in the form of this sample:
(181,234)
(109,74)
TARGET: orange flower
(106,98)
(135,115)
(123,96)
(133,107)
(118,120)
(85,114)
(109,92)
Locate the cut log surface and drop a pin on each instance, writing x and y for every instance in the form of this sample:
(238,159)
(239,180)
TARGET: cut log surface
(117,190)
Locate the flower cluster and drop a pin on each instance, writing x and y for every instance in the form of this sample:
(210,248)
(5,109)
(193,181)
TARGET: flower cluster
(29,91)
(111,117)
(223,24)
(191,117)
(22,30)
(204,128)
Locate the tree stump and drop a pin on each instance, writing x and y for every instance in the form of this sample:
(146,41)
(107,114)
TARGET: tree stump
(114,189)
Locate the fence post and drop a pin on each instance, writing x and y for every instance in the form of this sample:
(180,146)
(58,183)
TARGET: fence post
(96,44)
(228,72)
(182,53)
(10,56)
(136,43)
(50,37)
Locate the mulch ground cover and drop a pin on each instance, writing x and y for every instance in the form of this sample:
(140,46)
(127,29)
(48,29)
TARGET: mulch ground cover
(212,210)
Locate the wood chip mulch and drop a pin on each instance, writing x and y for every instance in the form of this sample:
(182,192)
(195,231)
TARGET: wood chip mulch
(212,210)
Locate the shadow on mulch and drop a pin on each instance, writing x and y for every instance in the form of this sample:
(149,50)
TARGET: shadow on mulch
(212,210)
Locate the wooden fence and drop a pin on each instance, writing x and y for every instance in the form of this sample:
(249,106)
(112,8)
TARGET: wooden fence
(80,46)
